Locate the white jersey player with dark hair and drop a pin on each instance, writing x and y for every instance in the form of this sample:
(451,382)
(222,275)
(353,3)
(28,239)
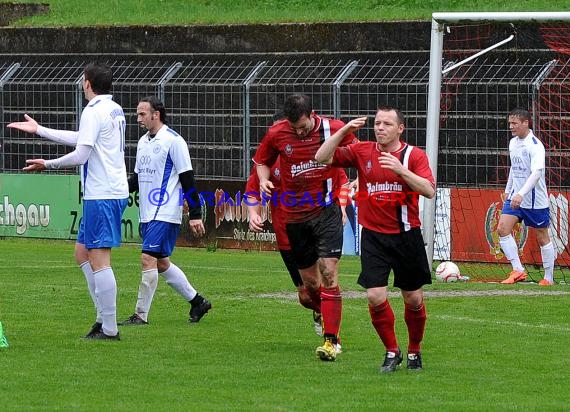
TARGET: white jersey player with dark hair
(99,148)
(526,198)
(163,171)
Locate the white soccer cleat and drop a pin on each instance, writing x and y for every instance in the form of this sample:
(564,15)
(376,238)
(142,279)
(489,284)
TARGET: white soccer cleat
(318,323)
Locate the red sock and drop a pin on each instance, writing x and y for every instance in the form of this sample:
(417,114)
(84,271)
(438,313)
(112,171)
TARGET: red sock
(383,320)
(331,308)
(415,317)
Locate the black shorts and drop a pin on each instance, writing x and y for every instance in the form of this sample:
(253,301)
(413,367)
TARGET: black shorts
(316,238)
(404,253)
(287,257)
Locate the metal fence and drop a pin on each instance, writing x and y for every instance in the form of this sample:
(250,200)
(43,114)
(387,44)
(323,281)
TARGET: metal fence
(223,106)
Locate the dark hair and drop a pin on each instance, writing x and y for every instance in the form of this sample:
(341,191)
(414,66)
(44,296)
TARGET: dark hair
(156,105)
(100,76)
(297,106)
(521,113)
(399,115)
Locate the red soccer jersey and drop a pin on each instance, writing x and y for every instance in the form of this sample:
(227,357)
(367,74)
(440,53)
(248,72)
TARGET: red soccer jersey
(278,218)
(306,185)
(386,204)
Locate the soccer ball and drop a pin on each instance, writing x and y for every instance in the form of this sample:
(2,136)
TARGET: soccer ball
(447,272)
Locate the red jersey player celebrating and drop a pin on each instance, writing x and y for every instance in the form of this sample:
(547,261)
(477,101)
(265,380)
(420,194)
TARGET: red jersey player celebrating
(314,226)
(392,175)
(254,202)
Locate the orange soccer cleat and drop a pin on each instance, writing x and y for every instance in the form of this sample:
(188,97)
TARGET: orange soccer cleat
(514,277)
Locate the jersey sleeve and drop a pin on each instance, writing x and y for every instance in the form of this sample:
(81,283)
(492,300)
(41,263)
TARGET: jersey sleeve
(266,154)
(420,165)
(538,157)
(180,155)
(89,127)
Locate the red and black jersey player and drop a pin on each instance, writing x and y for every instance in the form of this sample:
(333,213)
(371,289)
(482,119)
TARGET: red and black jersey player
(254,203)
(392,175)
(313,217)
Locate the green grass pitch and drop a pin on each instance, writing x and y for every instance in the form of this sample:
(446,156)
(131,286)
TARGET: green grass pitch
(488,347)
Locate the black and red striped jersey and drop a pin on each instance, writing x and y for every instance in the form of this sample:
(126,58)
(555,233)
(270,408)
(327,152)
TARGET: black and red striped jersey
(386,203)
(306,185)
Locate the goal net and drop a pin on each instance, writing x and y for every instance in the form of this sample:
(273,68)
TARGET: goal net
(482,66)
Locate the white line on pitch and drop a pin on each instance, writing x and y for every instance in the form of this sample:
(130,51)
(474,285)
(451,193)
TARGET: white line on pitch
(548,326)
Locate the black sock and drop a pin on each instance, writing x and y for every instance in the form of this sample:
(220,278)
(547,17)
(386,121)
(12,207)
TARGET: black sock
(332,337)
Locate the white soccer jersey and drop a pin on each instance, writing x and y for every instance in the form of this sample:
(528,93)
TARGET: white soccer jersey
(159,162)
(102,127)
(528,155)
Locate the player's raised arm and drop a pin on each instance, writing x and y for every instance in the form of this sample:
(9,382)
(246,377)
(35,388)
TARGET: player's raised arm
(325,153)
(65,137)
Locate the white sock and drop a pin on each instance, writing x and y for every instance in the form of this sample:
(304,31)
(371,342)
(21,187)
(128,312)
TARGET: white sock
(178,281)
(88,273)
(547,253)
(106,293)
(511,251)
(147,287)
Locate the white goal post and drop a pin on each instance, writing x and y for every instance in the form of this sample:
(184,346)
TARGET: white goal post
(439,21)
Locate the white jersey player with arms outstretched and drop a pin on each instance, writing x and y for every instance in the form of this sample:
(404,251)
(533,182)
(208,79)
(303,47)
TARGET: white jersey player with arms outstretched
(99,149)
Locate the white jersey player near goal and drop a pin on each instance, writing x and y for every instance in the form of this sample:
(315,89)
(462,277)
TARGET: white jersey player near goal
(526,198)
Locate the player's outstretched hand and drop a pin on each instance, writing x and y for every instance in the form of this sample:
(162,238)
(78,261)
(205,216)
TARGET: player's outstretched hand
(35,165)
(29,126)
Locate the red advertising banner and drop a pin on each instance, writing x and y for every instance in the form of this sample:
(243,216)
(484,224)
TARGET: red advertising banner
(474,218)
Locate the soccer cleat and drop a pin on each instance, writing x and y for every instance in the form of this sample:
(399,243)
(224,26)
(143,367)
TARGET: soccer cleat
(514,277)
(135,319)
(96,328)
(414,361)
(391,361)
(318,323)
(327,352)
(197,312)
(102,336)
(338,348)
(545,282)
(337,345)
